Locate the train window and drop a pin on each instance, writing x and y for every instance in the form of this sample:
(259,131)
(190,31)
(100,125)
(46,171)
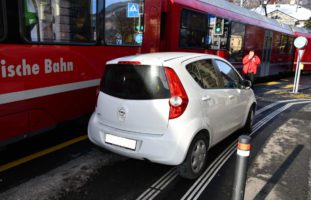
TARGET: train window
(291,44)
(276,41)
(124,22)
(192,30)
(2,26)
(59,21)
(218,32)
(285,46)
(236,42)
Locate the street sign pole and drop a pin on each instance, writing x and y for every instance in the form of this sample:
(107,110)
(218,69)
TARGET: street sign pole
(299,43)
(298,71)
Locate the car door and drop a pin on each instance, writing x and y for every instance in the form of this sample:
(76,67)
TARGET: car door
(236,101)
(212,100)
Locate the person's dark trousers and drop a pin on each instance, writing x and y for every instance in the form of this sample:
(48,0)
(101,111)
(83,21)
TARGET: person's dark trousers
(251,77)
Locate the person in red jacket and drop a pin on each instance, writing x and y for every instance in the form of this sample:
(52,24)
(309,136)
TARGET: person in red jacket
(250,64)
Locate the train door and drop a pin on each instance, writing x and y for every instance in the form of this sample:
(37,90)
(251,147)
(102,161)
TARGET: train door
(266,54)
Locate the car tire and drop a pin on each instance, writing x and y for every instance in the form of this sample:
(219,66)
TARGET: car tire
(248,127)
(195,160)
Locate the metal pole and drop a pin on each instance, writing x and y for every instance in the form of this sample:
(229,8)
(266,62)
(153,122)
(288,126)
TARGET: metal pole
(243,152)
(299,69)
(297,74)
(241,3)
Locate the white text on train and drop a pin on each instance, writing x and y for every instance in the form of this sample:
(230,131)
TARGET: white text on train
(27,69)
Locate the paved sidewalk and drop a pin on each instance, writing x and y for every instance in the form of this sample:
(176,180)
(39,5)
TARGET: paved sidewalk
(282,89)
(282,168)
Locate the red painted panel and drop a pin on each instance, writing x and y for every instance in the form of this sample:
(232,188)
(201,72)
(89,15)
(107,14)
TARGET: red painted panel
(12,124)
(27,68)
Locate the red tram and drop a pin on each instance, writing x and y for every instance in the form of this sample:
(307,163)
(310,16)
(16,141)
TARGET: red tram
(52,52)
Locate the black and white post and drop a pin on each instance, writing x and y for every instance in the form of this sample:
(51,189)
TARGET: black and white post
(243,152)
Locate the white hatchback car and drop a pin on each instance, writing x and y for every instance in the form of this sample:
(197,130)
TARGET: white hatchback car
(170,108)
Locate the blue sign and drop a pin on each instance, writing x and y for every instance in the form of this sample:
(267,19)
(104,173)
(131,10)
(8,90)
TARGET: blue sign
(139,38)
(132,10)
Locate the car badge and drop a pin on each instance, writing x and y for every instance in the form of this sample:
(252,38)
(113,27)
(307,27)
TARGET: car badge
(122,113)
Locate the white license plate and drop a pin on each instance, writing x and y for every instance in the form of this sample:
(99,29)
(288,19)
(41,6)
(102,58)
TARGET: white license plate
(120,141)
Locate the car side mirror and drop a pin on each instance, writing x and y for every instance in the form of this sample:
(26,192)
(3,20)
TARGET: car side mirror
(246,84)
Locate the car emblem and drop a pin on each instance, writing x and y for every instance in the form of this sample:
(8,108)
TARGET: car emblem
(122,113)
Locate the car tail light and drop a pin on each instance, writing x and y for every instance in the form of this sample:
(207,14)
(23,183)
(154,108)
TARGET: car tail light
(129,62)
(179,99)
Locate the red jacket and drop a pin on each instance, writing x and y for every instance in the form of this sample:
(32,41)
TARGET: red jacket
(250,65)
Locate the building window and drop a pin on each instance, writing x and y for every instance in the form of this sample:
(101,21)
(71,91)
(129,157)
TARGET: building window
(192,29)
(236,42)
(124,22)
(60,21)
(218,32)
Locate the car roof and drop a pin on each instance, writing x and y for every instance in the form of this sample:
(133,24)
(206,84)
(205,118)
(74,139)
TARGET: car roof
(160,58)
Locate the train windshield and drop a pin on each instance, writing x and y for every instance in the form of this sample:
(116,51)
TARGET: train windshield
(124,22)
(60,21)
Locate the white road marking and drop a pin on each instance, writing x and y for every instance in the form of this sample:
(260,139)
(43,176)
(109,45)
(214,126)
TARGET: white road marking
(202,182)
(164,180)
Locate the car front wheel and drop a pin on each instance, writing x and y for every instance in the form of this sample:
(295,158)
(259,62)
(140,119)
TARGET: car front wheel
(195,161)
(249,122)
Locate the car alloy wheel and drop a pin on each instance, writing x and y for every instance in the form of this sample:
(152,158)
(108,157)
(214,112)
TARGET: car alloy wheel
(195,160)
(198,156)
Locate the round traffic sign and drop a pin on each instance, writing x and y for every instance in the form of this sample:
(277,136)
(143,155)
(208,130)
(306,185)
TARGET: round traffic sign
(300,42)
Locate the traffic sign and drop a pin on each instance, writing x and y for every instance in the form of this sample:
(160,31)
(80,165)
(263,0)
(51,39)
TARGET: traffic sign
(132,10)
(139,38)
(300,42)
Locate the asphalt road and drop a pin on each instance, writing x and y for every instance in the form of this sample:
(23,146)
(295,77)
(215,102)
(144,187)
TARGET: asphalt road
(83,171)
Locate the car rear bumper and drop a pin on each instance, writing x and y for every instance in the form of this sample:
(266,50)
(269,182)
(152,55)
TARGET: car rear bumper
(169,148)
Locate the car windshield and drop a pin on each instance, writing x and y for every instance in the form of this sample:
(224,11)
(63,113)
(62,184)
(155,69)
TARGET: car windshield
(139,82)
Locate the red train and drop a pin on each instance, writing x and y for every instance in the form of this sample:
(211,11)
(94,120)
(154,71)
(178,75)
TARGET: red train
(52,52)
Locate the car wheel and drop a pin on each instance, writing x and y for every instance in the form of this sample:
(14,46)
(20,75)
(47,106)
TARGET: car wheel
(249,122)
(195,161)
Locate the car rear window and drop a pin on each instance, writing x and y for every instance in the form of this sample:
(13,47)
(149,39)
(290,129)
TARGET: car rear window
(139,82)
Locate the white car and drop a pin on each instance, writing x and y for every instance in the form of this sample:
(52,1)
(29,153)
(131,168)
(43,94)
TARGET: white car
(170,108)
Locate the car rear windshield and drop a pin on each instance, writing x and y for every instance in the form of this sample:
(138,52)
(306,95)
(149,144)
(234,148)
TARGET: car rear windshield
(139,82)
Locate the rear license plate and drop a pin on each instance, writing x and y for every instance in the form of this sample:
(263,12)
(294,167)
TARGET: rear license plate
(120,141)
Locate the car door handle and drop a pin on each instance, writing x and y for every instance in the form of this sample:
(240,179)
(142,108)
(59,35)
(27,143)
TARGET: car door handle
(206,98)
(231,97)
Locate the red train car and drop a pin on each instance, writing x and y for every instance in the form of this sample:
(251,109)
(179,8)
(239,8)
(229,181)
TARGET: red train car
(191,26)
(52,52)
(52,55)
